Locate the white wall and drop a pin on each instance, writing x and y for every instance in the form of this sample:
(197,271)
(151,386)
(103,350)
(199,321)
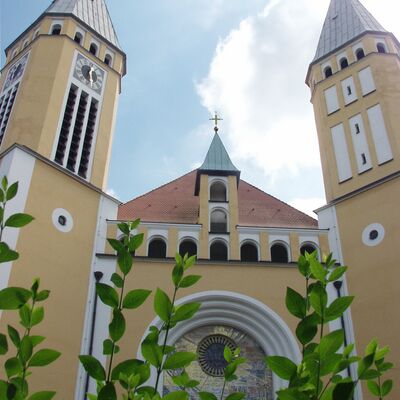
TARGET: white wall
(341,153)
(360,143)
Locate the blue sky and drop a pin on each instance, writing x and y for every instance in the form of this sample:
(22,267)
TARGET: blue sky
(186,58)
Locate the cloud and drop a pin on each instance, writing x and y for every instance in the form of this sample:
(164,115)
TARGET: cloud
(112,193)
(256,81)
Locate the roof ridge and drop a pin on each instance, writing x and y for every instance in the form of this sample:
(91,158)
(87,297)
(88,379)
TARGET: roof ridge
(281,201)
(157,188)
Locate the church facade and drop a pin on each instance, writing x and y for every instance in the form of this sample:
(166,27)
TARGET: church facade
(58,97)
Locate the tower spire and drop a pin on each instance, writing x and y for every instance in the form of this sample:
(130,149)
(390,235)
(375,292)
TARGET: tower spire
(345,21)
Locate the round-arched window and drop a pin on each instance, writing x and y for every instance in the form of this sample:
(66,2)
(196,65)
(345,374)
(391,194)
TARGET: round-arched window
(108,60)
(188,246)
(218,192)
(218,221)
(78,37)
(279,253)
(157,248)
(249,252)
(328,72)
(218,251)
(360,54)
(93,49)
(307,247)
(344,63)
(381,48)
(56,29)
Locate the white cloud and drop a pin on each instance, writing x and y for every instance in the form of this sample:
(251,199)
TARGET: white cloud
(308,205)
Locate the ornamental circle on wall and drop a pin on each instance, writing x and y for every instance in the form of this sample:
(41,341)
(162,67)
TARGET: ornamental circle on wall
(62,220)
(373,234)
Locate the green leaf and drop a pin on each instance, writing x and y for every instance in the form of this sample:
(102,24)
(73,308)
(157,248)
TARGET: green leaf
(303,266)
(3,344)
(13,298)
(107,347)
(107,392)
(42,396)
(337,308)
(12,191)
(151,351)
(179,360)
(185,312)
(18,220)
(25,314)
(337,273)
(330,343)
(370,374)
(6,254)
(107,294)
(2,197)
(317,269)
(116,245)
(37,316)
(13,366)
(25,349)
(134,224)
(117,326)
(307,328)
(343,391)
(189,281)
(177,274)
(162,305)
(387,387)
(135,242)
(318,298)
(373,388)
(93,367)
(43,295)
(44,357)
(281,366)
(4,183)
(189,262)
(381,353)
(236,396)
(291,394)
(132,367)
(371,347)
(207,396)
(117,280)
(179,395)
(124,228)
(228,354)
(125,261)
(135,298)
(36,340)
(295,303)
(14,335)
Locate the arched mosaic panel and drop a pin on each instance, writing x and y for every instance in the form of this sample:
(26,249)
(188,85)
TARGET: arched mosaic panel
(208,342)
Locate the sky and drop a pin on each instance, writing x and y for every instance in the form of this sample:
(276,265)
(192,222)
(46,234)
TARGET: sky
(188,58)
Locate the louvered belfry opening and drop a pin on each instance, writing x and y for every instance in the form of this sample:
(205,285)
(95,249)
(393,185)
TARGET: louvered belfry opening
(77,132)
(6,105)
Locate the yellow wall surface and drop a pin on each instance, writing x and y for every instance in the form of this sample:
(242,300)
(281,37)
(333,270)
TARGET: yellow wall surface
(63,262)
(374,273)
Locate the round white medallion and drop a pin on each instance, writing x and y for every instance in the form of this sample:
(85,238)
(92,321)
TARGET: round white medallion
(373,234)
(62,220)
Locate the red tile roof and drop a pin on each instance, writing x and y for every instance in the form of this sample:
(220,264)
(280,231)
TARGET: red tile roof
(175,202)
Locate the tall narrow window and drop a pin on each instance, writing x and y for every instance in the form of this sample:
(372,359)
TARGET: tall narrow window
(88,141)
(6,105)
(108,60)
(363,158)
(93,49)
(328,72)
(218,251)
(357,127)
(66,125)
(279,253)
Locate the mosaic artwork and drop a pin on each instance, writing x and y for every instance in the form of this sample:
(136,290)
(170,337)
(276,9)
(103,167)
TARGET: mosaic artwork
(208,342)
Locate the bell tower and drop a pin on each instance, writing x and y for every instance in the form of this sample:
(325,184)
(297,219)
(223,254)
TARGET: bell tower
(60,86)
(354,81)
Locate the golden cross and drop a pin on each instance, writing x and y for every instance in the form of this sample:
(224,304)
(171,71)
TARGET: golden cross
(216,119)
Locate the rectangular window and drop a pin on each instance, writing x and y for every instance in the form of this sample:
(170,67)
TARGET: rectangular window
(360,143)
(379,134)
(341,153)
(349,90)
(6,105)
(367,81)
(331,98)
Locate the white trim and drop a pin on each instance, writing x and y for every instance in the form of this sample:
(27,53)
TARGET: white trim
(69,221)
(285,245)
(223,210)
(54,23)
(219,238)
(220,179)
(17,166)
(254,243)
(160,235)
(241,312)
(107,209)
(279,231)
(366,232)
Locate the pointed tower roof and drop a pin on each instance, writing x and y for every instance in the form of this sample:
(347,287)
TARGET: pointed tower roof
(346,20)
(93,13)
(217,162)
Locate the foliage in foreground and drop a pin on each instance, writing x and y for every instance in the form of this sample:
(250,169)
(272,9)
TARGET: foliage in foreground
(131,377)
(26,356)
(321,374)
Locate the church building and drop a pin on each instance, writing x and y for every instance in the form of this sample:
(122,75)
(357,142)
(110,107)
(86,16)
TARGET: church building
(59,91)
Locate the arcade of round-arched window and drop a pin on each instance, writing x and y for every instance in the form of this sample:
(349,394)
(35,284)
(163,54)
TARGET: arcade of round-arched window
(208,343)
